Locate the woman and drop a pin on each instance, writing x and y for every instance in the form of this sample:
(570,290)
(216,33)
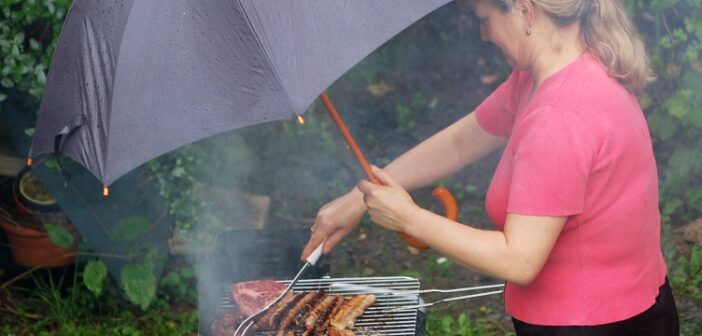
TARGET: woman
(575,195)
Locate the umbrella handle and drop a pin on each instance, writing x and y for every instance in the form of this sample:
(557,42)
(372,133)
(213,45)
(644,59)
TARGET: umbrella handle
(347,136)
(441,193)
(450,208)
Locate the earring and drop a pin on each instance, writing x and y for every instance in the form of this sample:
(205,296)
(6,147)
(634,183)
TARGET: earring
(528,31)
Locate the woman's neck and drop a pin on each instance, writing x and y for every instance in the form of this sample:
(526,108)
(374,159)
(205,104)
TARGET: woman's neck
(563,46)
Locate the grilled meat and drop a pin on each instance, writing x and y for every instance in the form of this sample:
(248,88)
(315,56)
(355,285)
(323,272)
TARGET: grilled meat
(320,310)
(302,313)
(327,317)
(352,309)
(264,320)
(337,332)
(299,308)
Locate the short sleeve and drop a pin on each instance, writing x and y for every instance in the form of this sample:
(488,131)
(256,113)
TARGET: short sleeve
(497,112)
(552,154)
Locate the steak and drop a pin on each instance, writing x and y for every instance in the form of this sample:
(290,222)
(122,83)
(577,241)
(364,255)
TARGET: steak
(252,296)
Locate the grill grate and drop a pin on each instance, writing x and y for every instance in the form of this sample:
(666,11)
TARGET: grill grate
(375,320)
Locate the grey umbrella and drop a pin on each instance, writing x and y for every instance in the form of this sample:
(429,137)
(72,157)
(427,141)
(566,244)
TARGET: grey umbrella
(131,80)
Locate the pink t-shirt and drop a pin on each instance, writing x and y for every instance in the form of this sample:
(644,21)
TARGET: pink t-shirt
(579,148)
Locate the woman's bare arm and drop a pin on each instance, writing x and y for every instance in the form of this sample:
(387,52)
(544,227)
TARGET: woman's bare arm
(435,158)
(516,254)
(443,154)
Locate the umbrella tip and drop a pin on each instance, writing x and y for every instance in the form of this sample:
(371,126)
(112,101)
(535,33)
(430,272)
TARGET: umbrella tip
(300,120)
(29,161)
(105,191)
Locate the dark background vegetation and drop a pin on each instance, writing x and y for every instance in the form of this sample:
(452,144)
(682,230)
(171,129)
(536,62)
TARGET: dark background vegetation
(424,79)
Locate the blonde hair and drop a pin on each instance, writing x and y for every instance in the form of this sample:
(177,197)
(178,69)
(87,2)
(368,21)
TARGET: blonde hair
(607,31)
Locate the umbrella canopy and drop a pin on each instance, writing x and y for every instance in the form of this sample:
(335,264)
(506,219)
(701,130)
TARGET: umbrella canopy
(131,80)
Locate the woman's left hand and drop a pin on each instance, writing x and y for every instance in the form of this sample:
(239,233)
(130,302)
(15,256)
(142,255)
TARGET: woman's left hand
(389,204)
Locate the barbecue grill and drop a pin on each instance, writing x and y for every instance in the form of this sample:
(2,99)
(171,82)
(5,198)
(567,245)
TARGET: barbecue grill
(244,255)
(377,319)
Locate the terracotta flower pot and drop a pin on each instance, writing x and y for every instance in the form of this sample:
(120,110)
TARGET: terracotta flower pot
(31,247)
(23,221)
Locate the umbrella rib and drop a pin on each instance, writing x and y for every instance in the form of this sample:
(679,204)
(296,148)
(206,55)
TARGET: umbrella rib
(263,48)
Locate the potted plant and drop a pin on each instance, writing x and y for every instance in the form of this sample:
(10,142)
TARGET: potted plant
(38,232)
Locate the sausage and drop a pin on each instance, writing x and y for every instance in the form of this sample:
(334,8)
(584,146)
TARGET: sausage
(351,311)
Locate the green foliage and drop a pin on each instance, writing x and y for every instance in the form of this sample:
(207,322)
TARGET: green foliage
(461,326)
(673,105)
(139,283)
(59,235)
(28,33)
(175,174)
(94,275)
(686,280)
(687,275)
(65,308)
(179,285)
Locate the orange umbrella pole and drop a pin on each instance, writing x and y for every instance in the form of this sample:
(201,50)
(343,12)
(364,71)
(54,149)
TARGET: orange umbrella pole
(347,136)
(409,240)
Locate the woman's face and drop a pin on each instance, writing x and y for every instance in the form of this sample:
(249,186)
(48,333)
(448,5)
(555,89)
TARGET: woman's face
(506,30)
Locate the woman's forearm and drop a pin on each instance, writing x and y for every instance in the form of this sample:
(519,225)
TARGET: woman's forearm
(443,154)
(516,255)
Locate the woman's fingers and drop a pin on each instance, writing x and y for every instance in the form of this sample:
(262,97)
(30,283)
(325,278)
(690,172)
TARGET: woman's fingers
(366,186)
(383,177)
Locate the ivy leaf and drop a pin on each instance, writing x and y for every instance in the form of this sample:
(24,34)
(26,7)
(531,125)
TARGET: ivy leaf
(129,228)
(19,37)
(94,276)
(59,235)
(684,162)
(8,83)
(663,125)
(679,104)
(671,205)
(139,284)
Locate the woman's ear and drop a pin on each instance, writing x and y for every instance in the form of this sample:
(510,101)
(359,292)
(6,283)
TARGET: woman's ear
(527,10)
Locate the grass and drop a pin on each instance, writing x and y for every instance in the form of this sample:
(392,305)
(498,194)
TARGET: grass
(462,325)
(686,280)
(48,306)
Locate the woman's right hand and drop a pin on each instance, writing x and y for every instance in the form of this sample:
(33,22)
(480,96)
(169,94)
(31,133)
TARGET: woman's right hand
(335,220)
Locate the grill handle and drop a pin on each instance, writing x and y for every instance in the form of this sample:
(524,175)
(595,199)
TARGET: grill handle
(454,290)
(423,305)
(315,255)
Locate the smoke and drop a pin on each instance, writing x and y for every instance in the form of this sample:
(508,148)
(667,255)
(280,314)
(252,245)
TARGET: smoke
(276,176)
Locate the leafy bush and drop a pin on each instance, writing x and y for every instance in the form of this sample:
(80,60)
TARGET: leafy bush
(688,274)
(29,30)
(673,29)
(686,279)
